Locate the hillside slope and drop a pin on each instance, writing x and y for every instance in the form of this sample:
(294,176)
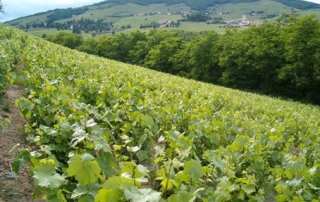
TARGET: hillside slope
(201,5)
(106,130)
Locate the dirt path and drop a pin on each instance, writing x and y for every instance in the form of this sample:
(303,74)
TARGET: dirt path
(13,188)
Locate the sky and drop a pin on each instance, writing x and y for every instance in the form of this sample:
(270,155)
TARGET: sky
(20,8)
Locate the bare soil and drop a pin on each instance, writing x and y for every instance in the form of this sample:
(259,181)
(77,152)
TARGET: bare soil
(13,188)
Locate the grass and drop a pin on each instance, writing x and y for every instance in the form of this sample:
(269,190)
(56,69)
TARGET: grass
(194,26)
(136,21)
(40,31)
(31,19)
(118,12)
(236,10)
(269,7)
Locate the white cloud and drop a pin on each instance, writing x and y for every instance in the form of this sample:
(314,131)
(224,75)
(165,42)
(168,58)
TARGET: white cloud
(314,1)
(19,8)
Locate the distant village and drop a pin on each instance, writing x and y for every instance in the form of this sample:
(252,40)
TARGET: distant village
(229,23)
(242,22)
(100,26)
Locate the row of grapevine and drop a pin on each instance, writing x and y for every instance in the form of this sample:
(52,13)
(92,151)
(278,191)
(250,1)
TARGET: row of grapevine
(108,131)
(9,46)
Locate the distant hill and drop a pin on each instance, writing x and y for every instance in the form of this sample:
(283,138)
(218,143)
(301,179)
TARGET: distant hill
(198,5)
(202,5)
(112,16)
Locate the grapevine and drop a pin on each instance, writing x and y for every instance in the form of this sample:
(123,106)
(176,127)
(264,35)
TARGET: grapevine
(109,131)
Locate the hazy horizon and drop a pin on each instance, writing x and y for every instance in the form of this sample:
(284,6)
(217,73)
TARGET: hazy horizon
(16,9)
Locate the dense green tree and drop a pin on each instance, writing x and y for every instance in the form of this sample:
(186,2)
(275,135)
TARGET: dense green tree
(231,59)
(69,40)
(141,49)
(115,47)
(204,58)
(198,17)
(181,60)
(158,57)
(302,46)
(76,29)
(252,57)
(89,46)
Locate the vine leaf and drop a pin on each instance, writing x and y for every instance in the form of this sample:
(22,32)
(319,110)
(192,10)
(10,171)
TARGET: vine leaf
(84,168)
(91,189)
(142,195)
(109,195)
(181,196)
(46,176)
(249,189)
(194,168)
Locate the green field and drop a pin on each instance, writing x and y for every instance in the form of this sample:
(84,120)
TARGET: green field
(39,32)
(31,19)
(193,26)
(136,21)
(269,7)
(118,12)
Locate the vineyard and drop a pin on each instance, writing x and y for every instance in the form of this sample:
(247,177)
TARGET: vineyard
(102,130)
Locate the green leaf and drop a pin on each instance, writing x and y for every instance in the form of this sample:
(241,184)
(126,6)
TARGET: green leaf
(168,184)
(21,160)
(91,189)
(55,196)
(249,189)
(143,170)
(295,181)
(45,175)
(101,144)
(142,155)
(107,163)
(193,167)
(142,195)
(239,143)
(313,187)
(86,198)
(84,168)
(106,195)
(117,147)
(183,177)
(112,183)
(181,196)
(213,157)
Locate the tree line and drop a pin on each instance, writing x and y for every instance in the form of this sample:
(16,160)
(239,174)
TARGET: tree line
(280,59)
(84,24)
